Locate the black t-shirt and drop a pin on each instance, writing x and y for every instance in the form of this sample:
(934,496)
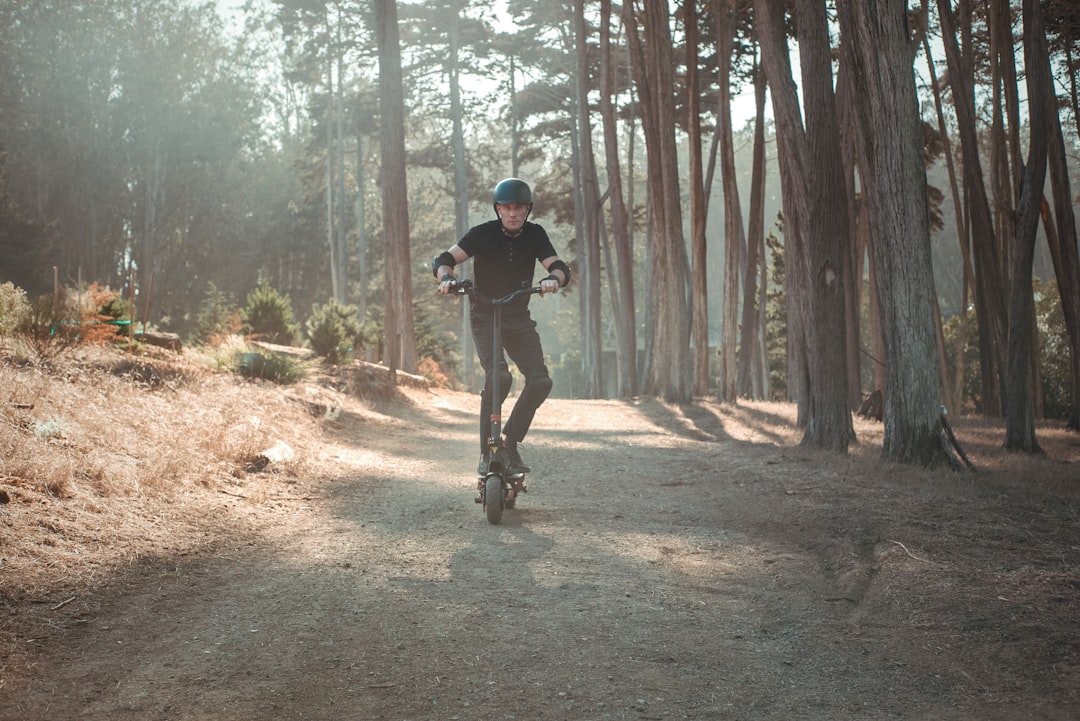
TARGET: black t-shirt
(502,265)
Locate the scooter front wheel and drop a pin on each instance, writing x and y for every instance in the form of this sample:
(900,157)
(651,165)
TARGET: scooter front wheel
(493,499)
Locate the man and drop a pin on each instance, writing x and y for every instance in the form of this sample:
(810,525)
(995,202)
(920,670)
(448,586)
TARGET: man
(506,251)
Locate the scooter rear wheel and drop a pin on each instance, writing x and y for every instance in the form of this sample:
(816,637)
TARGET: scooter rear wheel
(493,499)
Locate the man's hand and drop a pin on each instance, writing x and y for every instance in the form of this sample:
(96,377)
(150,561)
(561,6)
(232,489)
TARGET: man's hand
(549,285)
(447,284)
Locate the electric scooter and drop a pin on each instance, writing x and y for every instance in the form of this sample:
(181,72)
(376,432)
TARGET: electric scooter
(498,488)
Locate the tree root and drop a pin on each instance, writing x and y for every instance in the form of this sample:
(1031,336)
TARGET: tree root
(958,460)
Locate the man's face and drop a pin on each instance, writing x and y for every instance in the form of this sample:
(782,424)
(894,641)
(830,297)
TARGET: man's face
(512,215)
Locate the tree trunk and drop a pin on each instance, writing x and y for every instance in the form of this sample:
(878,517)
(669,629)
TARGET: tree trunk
(1064,252)
(669,370)
(589,242)
(734,235)
(622,291)
(400,334)
(954,393)
(153,194)
(988,283)
(461,189)
(751,362)
(852,270)
(790,154)
(698,212)
(361,226)
(339,153)
(1019,404)
(829,423)
(876,52)
(331,242)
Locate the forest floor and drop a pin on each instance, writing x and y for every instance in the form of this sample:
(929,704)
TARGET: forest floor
(668,562)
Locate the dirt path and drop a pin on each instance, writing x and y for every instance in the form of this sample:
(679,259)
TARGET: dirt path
(662,566)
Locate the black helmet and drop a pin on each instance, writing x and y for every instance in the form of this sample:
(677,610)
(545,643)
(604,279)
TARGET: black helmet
(512,190)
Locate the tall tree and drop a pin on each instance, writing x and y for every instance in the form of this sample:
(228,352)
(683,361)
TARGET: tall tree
(829,423)
(734,235)
(734,352)
(776,65)
(989,299)
(877,55)
(1061,232)
(669,370)
(622,290)
(753,376)
(589,196)
(954,394)
(698,209)
(815,177)
(399,327)
(852,269)
(1019,401)
(461,185)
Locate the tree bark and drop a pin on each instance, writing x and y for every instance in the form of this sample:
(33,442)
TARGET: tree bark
(698,212)
(876,53)
(790,150)
(589,242)
(339,154)
(1064,252)
(399,326)
(461,187)
(752,377)
(1019,403)
(989,302)
(856,249)
(734,235)
(829,423)
(331,188)
(622,290)
(954,393)
(669,371)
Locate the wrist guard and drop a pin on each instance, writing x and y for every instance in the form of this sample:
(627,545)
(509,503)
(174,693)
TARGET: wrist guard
(559,265)
(443,259)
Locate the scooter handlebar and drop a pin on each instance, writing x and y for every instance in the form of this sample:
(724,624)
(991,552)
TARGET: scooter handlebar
(466,287)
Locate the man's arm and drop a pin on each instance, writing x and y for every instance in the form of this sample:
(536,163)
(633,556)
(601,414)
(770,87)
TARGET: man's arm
(443,267)
(559,270)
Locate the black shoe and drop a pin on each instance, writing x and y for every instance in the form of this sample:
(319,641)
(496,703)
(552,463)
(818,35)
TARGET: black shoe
(514,465)
(485,462)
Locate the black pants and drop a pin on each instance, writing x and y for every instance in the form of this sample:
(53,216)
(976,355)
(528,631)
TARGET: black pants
(521,342)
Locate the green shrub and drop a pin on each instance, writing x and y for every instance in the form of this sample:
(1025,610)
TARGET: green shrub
(269,315)
(217,317)
(1054,351)
(276,367)
(332,330)
(1053,347)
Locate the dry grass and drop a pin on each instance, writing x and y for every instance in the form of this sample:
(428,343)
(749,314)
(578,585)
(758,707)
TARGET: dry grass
(108,458)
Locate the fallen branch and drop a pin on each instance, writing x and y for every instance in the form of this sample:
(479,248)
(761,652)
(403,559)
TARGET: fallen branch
(60,605)
(271,496)
(909,552)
